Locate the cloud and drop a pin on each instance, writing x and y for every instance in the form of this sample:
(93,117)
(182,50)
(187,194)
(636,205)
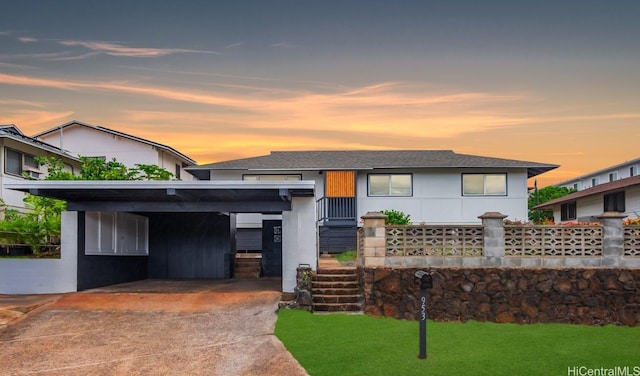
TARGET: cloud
(115,49)
(17,102)
(27,39)
(234,45)
(32,121)
(283,45)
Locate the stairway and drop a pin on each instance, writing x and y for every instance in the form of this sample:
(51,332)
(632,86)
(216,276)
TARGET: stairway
(336,290)
(247,265)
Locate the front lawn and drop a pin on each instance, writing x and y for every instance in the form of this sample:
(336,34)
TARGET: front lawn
(362,345)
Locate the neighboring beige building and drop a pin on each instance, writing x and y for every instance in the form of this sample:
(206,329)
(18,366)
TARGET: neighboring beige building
(18,158)
(83,139)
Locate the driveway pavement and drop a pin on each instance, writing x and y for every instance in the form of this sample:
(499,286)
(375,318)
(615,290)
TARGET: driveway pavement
(152,328)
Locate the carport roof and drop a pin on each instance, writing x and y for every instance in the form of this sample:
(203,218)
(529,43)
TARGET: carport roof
(172,196)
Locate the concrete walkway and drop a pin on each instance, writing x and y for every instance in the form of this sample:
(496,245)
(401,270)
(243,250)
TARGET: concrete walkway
(222,327)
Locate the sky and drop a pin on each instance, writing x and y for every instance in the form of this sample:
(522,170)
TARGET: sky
(545,81)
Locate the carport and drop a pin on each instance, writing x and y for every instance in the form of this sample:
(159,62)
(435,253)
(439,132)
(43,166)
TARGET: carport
(123,231)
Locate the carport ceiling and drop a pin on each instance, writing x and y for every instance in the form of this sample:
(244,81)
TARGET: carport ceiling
(176,196)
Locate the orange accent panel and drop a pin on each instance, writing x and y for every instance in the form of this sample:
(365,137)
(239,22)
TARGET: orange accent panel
(340,184)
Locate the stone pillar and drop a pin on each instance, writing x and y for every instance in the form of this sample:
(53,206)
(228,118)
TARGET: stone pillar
(374,240)
(493,223)
(612,238)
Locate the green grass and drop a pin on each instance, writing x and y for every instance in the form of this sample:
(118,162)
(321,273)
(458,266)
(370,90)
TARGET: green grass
(363,345)
(346,256)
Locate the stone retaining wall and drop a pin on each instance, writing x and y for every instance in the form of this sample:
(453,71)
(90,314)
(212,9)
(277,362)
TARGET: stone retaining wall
(587,296)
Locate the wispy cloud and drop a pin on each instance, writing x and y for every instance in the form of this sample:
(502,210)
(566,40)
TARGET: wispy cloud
(283,45)
(31,121)
(115,49)
(234,45)
(6,32)
(17,102)
(27,39)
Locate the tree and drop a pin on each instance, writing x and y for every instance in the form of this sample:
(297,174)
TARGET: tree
(540,196)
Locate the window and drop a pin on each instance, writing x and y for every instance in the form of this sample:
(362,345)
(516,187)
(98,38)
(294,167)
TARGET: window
(390,185)
(613,176)
(575,186)
(16,163)
(484,184)
(633,170)
(614,202)
(271,177)
(568,211)
(177,174)
(594,182)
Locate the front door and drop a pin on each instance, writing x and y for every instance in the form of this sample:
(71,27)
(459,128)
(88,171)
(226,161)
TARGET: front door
(272,248)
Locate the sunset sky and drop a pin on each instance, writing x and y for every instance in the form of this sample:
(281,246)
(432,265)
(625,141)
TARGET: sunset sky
(545,81)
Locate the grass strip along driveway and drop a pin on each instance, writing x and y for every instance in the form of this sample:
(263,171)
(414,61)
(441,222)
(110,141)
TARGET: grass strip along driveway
(363,345)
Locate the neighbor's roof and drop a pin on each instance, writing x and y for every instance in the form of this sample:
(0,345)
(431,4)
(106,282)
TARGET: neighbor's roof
(370,159)
(598,189)
(12,132)
(184,157)
(599,172)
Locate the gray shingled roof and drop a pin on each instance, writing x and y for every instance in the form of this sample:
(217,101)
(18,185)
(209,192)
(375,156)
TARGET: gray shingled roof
(613,186)
(13,132)
(371,159)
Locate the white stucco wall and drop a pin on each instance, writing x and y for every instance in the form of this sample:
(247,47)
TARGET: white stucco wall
(45,276)
(593,206)
(299,239)
(437,197)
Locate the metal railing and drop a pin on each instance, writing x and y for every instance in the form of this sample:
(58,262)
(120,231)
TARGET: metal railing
(336,208)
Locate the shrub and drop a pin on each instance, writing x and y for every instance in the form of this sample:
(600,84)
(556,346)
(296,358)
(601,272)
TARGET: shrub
(396,217)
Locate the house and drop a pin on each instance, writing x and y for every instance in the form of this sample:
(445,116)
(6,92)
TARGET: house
(606,175)
(18,158)
(621,196)
(82,139)
(432,186)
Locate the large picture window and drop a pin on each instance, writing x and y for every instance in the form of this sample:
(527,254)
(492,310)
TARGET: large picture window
(390,185)
(568,211)
(614,202)
(484,184)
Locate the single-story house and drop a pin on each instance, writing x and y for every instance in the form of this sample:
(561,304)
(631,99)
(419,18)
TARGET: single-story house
(432,186)
(621,196)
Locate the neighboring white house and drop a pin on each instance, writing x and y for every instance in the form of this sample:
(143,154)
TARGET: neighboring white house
(18,157)
(587,204)
(606,175)
(81,139)
(432,186)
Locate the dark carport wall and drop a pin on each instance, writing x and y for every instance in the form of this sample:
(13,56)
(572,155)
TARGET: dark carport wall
(191,226)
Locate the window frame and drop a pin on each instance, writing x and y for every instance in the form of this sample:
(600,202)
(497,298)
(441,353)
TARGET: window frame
(484,184)
(390,186)
(614,202)
(567,209)
(613,176)
(22,163)
(259,175)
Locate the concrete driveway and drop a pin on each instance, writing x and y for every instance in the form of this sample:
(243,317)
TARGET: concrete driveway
(153,327)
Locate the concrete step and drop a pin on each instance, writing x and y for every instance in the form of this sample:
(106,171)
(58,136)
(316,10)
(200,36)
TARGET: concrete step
(334,285)
(335,291)
(246,274)
(334,271)
(335,278)
(337,307)
(319,299)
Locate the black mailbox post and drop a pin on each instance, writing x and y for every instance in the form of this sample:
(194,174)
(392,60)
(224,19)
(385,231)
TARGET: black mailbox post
(426,282)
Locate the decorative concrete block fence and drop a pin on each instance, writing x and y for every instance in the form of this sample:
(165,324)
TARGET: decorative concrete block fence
(503,273)
(495,244)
